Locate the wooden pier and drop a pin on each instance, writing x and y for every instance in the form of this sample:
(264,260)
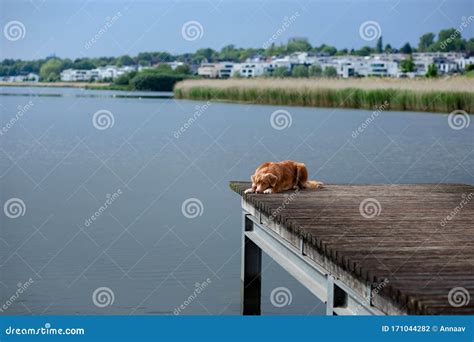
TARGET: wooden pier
(365,249)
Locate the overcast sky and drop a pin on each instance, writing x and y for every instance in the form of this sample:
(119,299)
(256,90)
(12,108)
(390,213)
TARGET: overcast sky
(67,28)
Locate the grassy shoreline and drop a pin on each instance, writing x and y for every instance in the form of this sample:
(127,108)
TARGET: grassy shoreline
(442,95)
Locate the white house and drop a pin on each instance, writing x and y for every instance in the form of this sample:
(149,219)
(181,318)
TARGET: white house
(112,72)
(208,70)
(74,75)
(109,72)
(283,62)
(31,77)
(381,68)
(350,66)
(175,64)
(445,65)
(464,62)
(448,55)
(421,65)
(219,70)
(227,69)
(255,69)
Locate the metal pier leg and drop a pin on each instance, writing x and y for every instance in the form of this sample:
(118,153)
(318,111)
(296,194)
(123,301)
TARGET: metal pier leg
(330,296)
(251,272)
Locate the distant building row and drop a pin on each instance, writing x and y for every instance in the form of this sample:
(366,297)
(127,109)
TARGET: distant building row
(384,65)
(109,72)
(31,77)
(106,73)
(387,65)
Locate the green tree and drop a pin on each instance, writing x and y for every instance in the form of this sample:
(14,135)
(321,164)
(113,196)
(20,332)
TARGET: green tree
(103,61)
(365,51)
(125,78)
(315,70)
(164,68)
(407,65)
(281,72)
(183,69)
(84,64)
(470,46)
(160,57)
(229,53)
(379,45)
(330,71)
(426,41)
(450,40)
(204,54)
(432,71)
(51,70)
(298,44)
(154,81)
(144,58)
(388,48)
(299,71)
(326,49)
(272,50)
(330,50)
(125,60)
(406,49)
(342,52)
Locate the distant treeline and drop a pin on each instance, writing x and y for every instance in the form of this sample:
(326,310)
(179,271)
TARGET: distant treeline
(49,69)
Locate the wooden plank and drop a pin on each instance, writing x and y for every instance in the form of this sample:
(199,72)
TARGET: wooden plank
(421,241)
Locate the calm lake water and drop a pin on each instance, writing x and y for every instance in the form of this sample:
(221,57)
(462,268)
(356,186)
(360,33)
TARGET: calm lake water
(140,245)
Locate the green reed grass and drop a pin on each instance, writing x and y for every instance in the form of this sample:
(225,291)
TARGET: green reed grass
(398,99)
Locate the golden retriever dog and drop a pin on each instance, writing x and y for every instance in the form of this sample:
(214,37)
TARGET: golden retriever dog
(277,177)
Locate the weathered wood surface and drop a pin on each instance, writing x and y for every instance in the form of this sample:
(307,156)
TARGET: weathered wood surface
(411,242)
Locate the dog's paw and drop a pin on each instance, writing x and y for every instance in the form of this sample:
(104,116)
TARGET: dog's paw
(249,191)
(268,191)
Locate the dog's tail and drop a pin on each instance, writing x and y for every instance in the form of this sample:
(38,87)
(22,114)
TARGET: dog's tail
(313,184)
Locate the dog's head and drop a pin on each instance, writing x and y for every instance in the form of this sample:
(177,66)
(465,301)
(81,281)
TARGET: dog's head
(261,182)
